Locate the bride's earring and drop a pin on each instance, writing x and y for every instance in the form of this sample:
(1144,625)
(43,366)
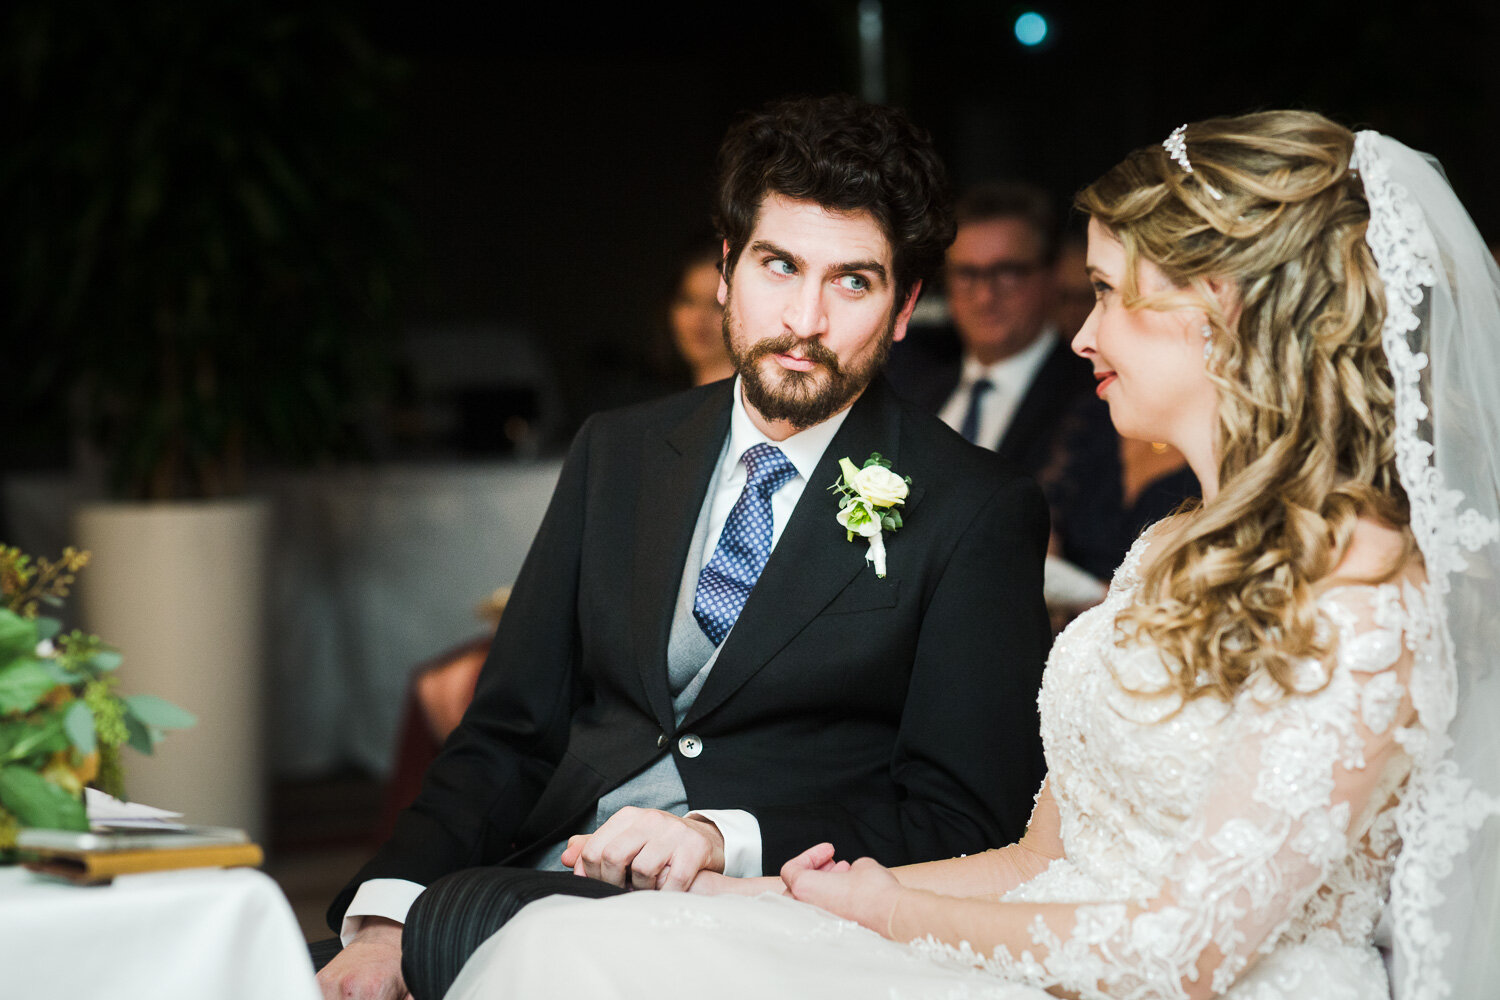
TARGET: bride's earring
(1208,340)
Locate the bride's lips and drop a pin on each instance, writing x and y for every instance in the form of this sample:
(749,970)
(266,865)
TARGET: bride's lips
(1103,380)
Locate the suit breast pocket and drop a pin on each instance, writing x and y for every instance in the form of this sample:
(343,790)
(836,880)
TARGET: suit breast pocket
(866,592)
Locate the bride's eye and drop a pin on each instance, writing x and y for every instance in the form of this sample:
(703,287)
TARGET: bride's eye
(1100,288)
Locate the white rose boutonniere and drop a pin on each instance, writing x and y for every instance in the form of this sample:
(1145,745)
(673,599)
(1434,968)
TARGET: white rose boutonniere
(868,504)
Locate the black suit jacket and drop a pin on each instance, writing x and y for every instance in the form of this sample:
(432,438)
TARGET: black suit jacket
(925,369)
(895,717)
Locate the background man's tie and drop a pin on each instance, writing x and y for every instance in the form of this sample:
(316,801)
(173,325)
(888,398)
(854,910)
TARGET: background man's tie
(970,426)
(744,544)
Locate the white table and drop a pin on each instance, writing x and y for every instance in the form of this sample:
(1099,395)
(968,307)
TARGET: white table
(222,933)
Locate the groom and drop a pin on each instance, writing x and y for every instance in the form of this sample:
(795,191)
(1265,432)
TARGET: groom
(698,668)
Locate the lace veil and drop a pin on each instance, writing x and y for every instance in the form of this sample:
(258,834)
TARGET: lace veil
(1442,339)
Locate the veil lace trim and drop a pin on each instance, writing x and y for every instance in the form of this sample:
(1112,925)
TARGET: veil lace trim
(1441,807)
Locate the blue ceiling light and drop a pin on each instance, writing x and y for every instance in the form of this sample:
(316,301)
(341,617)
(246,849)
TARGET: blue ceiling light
(1031,28)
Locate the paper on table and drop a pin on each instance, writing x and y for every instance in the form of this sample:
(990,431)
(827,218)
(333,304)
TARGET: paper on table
(107,811)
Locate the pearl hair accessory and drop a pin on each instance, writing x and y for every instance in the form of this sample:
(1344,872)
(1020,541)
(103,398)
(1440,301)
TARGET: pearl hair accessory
(1176,147)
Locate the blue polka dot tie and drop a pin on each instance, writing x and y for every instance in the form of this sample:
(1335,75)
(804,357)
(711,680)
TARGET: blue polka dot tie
(744,544)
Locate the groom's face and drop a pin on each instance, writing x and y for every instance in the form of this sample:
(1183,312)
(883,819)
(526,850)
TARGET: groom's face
(810,310)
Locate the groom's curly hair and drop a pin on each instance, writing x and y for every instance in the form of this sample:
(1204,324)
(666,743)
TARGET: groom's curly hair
(1304,435)
(846,155)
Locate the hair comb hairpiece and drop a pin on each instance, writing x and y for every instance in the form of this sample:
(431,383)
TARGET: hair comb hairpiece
(1176,147)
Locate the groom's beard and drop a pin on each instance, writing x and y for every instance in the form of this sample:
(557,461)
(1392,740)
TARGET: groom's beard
(802,399)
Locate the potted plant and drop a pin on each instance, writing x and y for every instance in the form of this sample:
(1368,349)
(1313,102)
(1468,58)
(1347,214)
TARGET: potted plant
(202,235)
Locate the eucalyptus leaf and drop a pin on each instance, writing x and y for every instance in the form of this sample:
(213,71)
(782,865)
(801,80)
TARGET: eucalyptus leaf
(35,801)
(105,660)
(17,635)
(23,682)
(60,673)
(78,723)
(138,735)
(46,628)
(159,713)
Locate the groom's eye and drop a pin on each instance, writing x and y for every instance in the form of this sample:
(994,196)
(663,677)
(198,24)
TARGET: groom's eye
(779,265)
(854,282)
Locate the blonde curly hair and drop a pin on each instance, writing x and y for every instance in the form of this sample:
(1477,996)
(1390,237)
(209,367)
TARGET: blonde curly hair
(1305,405)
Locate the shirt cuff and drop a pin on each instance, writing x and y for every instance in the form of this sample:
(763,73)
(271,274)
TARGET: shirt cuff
(391,898)
(741,832)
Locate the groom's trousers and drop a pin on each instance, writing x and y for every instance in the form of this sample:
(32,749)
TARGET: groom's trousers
(459,912)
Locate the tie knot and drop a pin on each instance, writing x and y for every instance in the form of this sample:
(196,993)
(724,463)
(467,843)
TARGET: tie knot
(766,468)
(979,387)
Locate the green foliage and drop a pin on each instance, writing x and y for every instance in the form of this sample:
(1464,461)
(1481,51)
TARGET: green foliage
(62,724)
(23,683)
(201,229)
(35,801)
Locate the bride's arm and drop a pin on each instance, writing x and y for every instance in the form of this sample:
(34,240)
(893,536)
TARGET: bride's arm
(1298,783)
(988,875)
(995,872)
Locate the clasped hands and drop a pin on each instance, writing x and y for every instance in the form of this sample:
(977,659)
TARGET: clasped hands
(647,849)
(650,849)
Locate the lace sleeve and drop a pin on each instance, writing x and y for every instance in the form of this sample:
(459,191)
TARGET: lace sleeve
(1296,813)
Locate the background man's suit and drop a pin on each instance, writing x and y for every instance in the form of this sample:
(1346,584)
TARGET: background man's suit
(894,717)
(925,369)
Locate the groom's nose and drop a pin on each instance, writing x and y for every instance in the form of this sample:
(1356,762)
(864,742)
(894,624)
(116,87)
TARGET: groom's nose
(806,313)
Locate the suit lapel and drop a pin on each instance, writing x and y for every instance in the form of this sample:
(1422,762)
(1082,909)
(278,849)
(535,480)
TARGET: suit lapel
(812,562)
(675,473)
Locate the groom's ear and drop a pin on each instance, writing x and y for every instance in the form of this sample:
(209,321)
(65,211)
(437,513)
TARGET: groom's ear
(724,274)
(898,329)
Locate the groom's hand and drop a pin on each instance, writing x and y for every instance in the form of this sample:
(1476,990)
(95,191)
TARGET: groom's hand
(369,968)
(647,849)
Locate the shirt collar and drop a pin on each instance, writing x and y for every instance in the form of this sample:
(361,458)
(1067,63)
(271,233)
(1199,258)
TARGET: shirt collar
(803,449)
(1014,371)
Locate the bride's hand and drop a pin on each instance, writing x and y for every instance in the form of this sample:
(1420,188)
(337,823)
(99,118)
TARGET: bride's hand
(865,892)
(819,858)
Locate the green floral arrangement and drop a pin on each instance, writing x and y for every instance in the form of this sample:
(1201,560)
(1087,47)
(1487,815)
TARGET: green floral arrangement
(62,723)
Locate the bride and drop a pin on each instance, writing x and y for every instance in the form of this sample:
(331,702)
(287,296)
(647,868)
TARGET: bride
(1273,730)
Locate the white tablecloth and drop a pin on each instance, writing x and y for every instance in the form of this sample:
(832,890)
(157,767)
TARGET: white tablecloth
(185,935)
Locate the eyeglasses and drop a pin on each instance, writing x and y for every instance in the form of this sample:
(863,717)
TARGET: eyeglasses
(1003,275)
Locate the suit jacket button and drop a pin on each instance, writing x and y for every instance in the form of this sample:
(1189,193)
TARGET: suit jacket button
(690,745)
(661,741)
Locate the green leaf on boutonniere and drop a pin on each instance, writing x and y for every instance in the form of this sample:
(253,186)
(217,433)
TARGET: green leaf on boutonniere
(23,683)
(46,628)
(35,801)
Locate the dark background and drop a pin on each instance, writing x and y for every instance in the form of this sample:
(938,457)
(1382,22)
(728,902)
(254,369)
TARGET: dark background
(550,163)
(556,161)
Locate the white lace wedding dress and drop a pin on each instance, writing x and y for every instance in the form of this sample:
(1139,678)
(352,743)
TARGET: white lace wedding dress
(1247,846)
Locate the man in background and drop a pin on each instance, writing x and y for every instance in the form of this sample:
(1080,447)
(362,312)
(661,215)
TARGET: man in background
(1009,376)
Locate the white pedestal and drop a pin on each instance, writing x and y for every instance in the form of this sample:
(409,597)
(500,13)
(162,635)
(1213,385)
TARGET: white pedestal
(179,589)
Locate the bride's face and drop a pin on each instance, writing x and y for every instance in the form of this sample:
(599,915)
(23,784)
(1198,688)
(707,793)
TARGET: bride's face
(1148,363)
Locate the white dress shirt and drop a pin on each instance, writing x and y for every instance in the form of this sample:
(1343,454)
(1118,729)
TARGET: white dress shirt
(392,897)
(1010,378)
